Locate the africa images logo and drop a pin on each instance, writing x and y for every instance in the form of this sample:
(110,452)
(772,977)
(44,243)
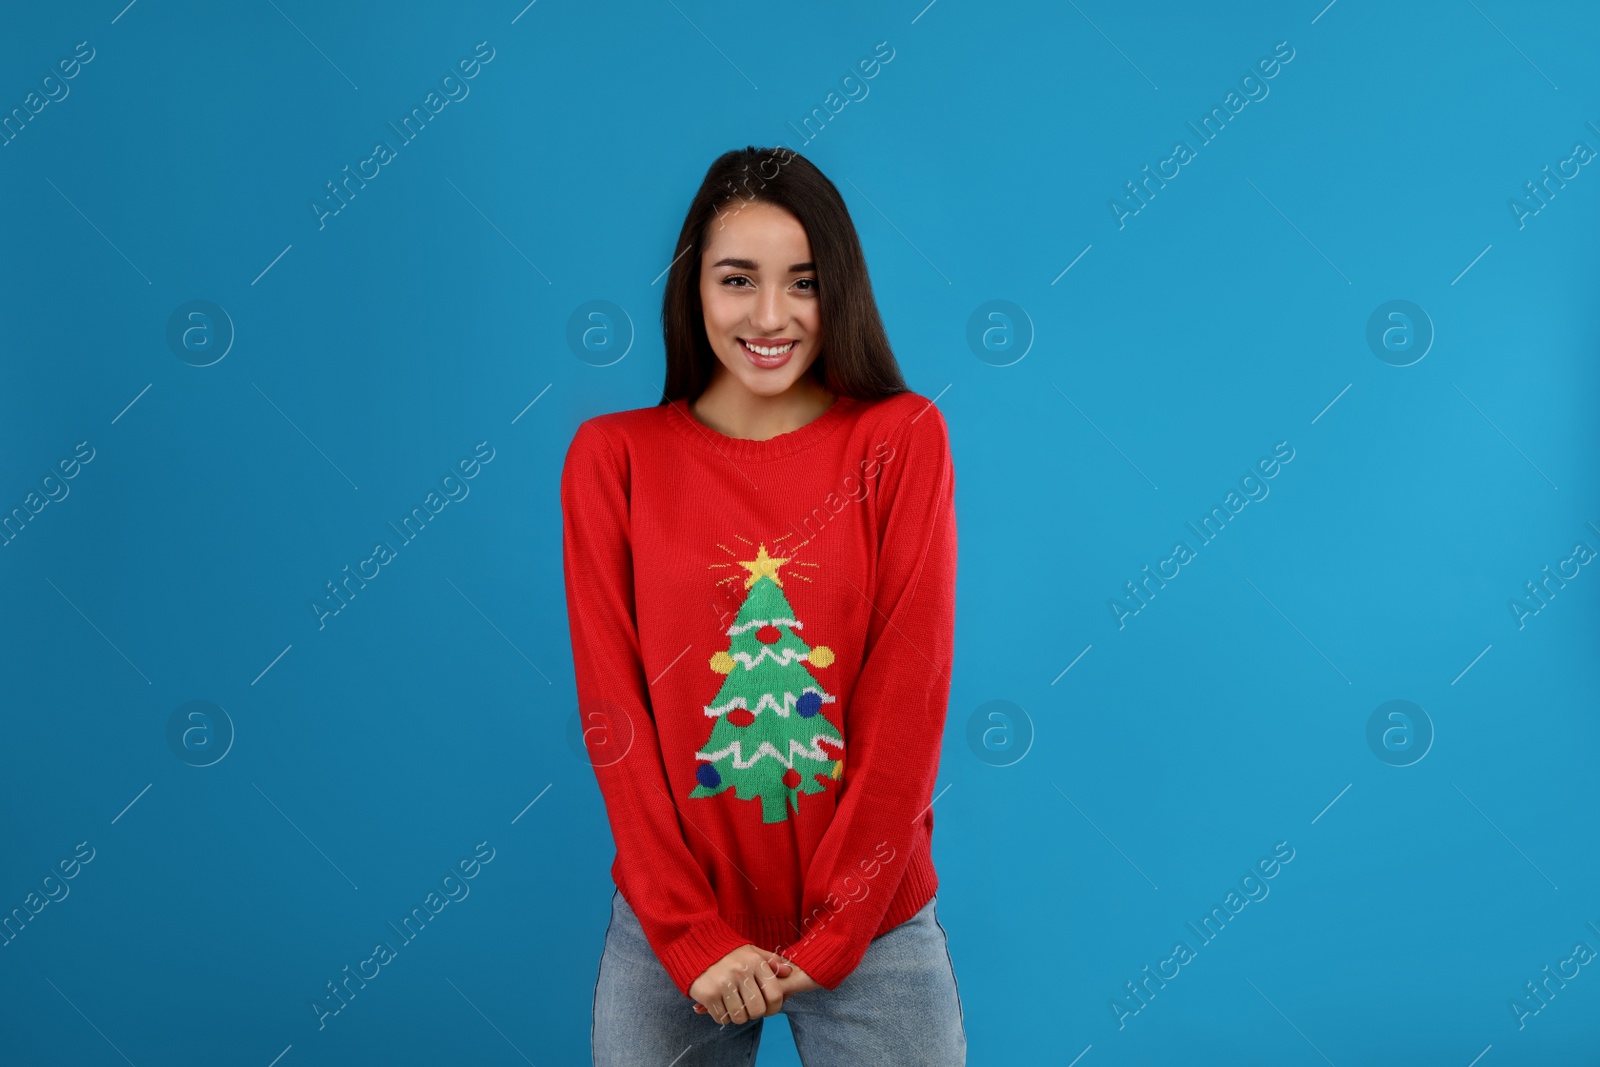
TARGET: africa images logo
(767,740)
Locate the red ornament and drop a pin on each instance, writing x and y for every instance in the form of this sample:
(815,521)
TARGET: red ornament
(768,635)
(741,717)
(791,778)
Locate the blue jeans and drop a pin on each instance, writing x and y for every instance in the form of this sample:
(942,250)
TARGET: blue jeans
(900,1007)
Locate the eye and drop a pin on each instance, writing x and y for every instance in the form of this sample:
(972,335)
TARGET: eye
(812,282)
(733,278)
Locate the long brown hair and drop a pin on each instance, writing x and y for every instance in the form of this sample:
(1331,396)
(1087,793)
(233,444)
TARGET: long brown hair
(855,359)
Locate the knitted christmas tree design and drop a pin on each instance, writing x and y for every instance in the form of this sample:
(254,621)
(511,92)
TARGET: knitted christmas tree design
(770,739)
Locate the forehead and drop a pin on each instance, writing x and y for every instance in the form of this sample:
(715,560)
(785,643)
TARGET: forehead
(763,233)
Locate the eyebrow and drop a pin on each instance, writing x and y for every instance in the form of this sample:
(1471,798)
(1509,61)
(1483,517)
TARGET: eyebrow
(750,264)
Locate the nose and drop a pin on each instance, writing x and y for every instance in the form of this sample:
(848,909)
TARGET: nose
(769,314)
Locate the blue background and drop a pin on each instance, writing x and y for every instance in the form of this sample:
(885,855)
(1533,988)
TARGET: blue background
(1118,800)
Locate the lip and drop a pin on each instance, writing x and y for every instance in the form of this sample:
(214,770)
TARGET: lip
(768,362)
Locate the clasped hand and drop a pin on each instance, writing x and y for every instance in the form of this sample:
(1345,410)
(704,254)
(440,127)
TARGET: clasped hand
(748,983)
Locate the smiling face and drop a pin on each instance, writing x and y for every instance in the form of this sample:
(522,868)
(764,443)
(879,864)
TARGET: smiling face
(758,291)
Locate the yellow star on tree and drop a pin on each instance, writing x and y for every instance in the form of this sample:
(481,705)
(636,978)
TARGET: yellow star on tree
(763,564)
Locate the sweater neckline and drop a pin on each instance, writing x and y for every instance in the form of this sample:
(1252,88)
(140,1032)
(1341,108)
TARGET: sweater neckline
(784,444)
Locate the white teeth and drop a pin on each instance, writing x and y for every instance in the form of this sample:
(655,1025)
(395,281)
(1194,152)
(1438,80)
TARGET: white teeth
(758,350)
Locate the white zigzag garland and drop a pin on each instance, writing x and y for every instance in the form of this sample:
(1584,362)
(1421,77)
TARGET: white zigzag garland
(767,701)
(766,748)
(788,656)
(756,624)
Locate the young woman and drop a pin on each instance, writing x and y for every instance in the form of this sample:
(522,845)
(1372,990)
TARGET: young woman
(760,576)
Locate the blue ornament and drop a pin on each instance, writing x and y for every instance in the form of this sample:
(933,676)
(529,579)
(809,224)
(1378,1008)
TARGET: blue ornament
(708,776)
(809,704)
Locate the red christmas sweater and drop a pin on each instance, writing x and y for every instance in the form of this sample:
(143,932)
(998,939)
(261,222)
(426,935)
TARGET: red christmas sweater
(762,635)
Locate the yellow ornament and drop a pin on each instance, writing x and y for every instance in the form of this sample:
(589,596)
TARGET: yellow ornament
(721,662)
(821,656)
(838,769)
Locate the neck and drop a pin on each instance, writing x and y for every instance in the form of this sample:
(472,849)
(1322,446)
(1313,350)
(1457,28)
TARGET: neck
(734,411)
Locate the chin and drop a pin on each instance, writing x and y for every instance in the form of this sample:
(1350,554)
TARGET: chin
(769,385)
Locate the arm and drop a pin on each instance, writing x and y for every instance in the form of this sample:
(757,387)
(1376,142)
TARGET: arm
(666,887)
(897,710)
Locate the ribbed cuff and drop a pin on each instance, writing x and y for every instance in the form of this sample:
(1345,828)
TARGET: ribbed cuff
(689,956)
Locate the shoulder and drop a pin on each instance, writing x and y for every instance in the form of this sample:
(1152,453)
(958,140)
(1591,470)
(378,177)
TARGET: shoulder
(609,448)
(621,425)
(609,435)
(910,419)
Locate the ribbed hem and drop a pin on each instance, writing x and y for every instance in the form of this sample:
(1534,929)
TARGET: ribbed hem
(824,955)
(785,444)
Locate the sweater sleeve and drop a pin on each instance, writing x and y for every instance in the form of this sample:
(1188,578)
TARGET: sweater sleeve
(895,722)
(662,882)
